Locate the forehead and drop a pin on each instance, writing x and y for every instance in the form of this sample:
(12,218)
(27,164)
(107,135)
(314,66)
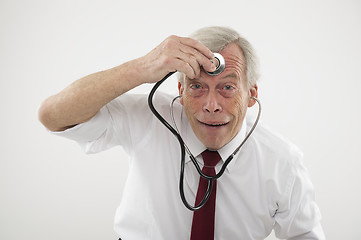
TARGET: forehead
(235,62)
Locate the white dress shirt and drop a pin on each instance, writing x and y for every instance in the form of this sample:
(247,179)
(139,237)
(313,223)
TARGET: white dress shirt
(264,187)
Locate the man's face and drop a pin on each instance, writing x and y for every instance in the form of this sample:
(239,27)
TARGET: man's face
(216,105)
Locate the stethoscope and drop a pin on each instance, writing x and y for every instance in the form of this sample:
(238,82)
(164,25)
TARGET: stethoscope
(220,62)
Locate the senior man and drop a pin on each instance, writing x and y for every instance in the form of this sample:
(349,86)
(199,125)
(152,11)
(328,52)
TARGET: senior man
(264,188)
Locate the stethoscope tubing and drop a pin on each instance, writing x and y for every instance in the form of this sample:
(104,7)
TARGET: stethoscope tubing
(183,147)
(182,144)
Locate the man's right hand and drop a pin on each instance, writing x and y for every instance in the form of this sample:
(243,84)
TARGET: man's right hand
(180,54)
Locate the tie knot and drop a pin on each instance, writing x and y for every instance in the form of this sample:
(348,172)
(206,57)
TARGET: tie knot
(210,158)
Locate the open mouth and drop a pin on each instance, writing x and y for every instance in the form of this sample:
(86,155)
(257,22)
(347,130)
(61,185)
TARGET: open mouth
(214,124)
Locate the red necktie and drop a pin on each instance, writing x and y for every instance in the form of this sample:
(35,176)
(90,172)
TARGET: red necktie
(203,219)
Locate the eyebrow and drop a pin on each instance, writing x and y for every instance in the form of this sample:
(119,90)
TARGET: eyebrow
(231,75)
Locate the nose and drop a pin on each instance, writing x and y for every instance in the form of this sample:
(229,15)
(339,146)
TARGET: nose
(211,104)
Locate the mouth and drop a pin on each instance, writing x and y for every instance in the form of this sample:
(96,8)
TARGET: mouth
(214,124)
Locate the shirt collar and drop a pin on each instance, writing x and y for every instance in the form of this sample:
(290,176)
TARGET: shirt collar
(229,148)
(196,147)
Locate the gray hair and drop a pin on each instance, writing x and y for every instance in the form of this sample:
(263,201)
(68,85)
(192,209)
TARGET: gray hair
(217,38)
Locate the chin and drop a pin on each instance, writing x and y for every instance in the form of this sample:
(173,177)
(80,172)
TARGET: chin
(214,145)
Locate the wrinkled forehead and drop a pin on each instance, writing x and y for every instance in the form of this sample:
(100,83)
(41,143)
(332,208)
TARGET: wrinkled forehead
(235,64)
(234,58)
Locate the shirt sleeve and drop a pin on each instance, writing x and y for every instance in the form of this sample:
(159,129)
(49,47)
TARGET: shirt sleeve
(124,122)
(94,135)
(298,216)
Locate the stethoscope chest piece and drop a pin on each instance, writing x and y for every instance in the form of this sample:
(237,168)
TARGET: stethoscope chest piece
(220,65)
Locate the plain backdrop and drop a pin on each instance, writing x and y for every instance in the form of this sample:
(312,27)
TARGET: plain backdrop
(310,64)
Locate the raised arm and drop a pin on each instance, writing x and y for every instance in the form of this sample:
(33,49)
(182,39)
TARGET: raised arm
(82,99)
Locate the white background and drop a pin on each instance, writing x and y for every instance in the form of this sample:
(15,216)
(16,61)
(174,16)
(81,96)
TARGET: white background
(310,64)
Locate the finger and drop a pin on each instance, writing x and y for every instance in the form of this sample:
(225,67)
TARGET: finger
(186,54)
(172,48)
(192,62)
(201,59)
(184,67)
(198,46)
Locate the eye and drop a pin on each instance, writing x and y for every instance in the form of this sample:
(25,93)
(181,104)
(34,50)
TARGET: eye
(196,86)
(228,90)
(228,87)
(197,89)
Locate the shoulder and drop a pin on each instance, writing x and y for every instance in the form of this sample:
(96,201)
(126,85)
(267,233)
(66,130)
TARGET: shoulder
(274,149)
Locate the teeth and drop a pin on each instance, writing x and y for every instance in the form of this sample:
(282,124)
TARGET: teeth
(218,124)
(214,124)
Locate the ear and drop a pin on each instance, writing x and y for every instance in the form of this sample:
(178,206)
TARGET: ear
(180,90)
(253,92)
